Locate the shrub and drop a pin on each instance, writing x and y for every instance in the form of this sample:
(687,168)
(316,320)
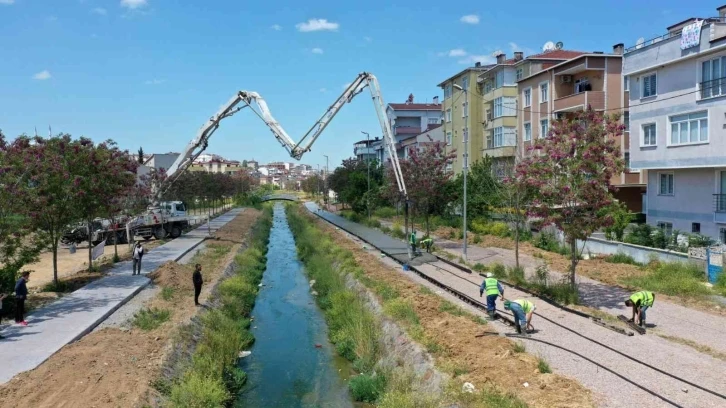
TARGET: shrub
(150,319)
(699,241)
(367,388)
(196,391)
(516,274)
(519,347)
(385,212)
(397,231)
(479,267)
(641,234)
(543,366)
(499,271)
(621,258)
(499,229)
(673,278)
(477,239)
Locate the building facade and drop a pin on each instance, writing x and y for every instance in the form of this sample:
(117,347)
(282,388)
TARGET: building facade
(462,109)
(407,120)
(212,163)
(555,89)
(677,84)
(498,87)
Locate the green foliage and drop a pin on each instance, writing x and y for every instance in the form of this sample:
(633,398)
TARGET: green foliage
(699,241)
(385,212)
(496,228)
(621,218)
(150,319)
(401,310)
(482,189)
(479,267)
(641,234)
(167,293)
(621,258)
(350,182)
(397,231)
(499,271)
(519,347)
(720,285)
(543,366)
(516,275)
(477,239)
(673,279)
(197,391)
(450,308)
(367,388)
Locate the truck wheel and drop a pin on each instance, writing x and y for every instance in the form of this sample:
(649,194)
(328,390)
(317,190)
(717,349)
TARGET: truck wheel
(175,231)
(160,233)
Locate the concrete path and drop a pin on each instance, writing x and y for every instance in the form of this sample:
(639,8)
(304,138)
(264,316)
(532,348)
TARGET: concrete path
(570,342)
(70,318)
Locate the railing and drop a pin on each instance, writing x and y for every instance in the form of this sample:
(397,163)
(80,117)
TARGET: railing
(406,130)
(719,203)
(669,35)
(713,88)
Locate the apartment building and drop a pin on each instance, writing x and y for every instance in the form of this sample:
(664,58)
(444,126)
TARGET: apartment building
(498,90)
(408,120)
(212,163)
(463,114)
(677,85)
(559,82)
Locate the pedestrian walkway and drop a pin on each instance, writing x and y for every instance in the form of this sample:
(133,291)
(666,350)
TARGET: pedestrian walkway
(70,318)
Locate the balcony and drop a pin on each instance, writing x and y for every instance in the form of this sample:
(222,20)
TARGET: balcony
(580,101)
(713,88)
(406,130)
(719,208)
(364,150)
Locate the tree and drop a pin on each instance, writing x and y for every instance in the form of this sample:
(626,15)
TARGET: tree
(482,189)
(515,195)
(141,155)
(621,219)
(350,182)
(569,172)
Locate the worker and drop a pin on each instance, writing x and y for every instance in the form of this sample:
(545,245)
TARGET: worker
(640,302)
(427,243)
(493,289)
(522,310)
(412,241)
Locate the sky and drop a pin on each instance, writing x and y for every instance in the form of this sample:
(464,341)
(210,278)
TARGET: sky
(149,73)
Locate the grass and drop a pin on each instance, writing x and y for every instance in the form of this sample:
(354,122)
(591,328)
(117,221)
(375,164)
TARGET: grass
(696,346)
(447,307)
(367,387)
(401,310)
(519,347)
(479,267)
(720,285)
(543,366)
(211,378)
(621,258)
(499,271)
(150,319)
(673,279)
(167,293)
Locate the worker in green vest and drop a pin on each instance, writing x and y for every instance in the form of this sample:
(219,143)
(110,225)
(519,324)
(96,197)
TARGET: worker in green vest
(493,289)
(522,310)
(412,241)
(427,243)
(640,302)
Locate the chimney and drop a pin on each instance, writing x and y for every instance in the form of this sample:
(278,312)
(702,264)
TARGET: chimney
(518,56)
(477,64)
(436,100)
(618,48)
(722,12)
(501,58)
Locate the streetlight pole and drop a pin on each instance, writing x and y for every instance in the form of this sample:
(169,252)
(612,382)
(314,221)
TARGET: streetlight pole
(368,164)
(326,197)
(466,159)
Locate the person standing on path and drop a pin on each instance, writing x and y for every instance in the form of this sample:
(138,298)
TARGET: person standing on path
(640,302)
(493,289)
(522,310)
(412,241)
(21,293)
(138,254)
(197,281)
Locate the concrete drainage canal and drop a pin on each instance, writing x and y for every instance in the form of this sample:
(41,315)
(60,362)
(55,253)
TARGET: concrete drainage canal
(292,363)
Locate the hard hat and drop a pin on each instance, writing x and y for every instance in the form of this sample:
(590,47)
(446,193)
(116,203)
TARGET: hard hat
(507,304)
(489,275)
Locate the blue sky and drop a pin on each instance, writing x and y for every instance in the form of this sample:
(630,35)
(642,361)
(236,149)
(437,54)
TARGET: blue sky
(151,72)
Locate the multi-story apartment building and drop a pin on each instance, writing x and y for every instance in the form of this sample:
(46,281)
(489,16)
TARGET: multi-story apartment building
(559,82)
(677,85)
(408,120)
(463,114)
(498,87)
(366,149)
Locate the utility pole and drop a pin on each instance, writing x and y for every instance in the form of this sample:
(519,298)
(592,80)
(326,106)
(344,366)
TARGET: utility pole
(368,164)
(466,158)
(325,182)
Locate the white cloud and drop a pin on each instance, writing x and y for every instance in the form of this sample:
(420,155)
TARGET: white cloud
(484,59)
(133,4)
(514,47)
(319,24)
(100,11)
(154,82)
(470,19)
(456,52)
(42,75)
(317,50)
(7,2)
(276,27)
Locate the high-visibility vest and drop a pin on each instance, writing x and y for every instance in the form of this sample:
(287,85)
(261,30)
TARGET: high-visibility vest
(527,306)
(646,298)
(491,286)
(412,240)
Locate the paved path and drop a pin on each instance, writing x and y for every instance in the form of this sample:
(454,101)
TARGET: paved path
(68,319)
(570,337)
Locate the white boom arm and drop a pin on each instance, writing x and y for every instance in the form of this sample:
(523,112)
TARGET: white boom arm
(296,150)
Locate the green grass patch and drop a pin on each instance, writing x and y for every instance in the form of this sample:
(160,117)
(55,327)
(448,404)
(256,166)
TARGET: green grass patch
(479,267)
(519,347)
(150,319)
(167,293)
(621,258)
(447,307)
(499,271)
(543,366)
(367,388)
(401,310)
(673,279)
(385,212)
(720,285)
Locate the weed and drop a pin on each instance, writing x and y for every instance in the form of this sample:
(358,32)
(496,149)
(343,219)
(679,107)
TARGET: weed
(478,320)
(60,287)
(197,391)
(499,271)
(385,212)
(672,278)
(167,293)
(401,310)
(720,285)
(462,261)
(115,258)
(477,239)
(385,291)
(433,347)
(519,347)
(621,258)
(425,290)
(367,388)
(516,274)
(479,267)
(450,308)
(397,231)
(150,319)
(543,366)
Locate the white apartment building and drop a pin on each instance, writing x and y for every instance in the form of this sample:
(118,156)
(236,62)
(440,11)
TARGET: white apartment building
(677,84)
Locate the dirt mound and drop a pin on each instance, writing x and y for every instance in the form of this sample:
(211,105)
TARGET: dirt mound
(236,230)
(173,275)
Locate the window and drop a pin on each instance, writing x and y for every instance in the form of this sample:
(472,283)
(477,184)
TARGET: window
(448,115)
(648,86)
(689,128)
(626,158)
(626,83)
(448,138)
(582,85)
(434,121)
(465,82)
(649,134)
(499,79)
(626,120)
(527,132)
(498,133)
(722,235)
(667,227)
(447,91)
(498,103)
(519,74)
(543,125)
(696,227)
(528,97)
(488,86)
(465,110)
(544,92)
(665,185)
(713,78)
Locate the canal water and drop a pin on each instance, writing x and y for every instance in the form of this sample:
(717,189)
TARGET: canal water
(292,362)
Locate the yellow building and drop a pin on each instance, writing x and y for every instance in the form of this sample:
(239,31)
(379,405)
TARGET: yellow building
(498,90)
(463,114)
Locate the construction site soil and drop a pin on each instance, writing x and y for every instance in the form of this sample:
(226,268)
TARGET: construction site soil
(116,367)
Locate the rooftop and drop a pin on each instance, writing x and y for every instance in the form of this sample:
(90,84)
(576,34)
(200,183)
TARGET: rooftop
(480,68)
(415,106)
(676,29)
(555,54)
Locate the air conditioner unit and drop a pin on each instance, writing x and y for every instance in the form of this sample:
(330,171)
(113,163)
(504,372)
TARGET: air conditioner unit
(566,79)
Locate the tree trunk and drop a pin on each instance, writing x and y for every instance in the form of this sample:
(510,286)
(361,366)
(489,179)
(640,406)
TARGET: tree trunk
(516,242)
(573,248)
(115,240)
(54,249)
(90,247)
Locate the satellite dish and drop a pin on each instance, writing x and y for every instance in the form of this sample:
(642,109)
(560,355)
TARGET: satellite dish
(559,45)
(640,42)
(549,46)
